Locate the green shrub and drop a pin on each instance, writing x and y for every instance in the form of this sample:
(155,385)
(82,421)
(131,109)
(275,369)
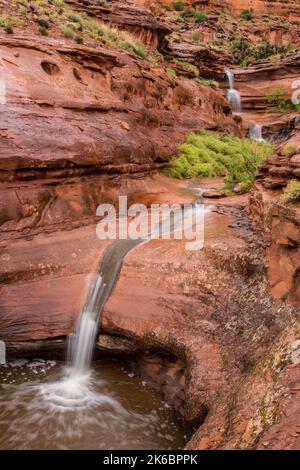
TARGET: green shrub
(155,57)
(132,45)
(9,30)
(67,32)
(197,16)
(188,67)
(245,53)
(79,40)
(291,194)
(288,150)
(210,154)
(74,18)
(246,186)
(200,17)
(24,3)
(209,83)
(8,20)
(170,71)
(240,50)
(179,6)
(43,23)
(279,97)
(247,14)
(43,31)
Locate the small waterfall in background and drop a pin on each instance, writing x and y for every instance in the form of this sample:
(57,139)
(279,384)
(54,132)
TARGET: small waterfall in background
(233,95)
(2,352)
(255,131)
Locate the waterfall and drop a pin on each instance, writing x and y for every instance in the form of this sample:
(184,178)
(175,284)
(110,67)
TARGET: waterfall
(2,352)
(255,131)
(81,343)
(233,95)
(230,78)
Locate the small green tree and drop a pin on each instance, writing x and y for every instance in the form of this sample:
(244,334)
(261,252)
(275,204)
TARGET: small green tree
(179,6)
(247,14)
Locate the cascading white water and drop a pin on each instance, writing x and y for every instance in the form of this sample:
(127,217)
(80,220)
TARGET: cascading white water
(74,389)
(2,353)
(255,131)
(233,95)
(81,343)
(230,78)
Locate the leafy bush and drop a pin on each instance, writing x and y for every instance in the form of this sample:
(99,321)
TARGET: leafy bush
(79,40)
(210,154)
(240,50)
(132,45)
(291,194)
(188,67)
(248,14)
(208,82)
(43,23)
(246,186)
(179,6)
(197,16)
(24,3)
(170,71)
(43,31)
(288,150)
(67,32)
(245,53)
(279,97)
(9,30)
(8,20)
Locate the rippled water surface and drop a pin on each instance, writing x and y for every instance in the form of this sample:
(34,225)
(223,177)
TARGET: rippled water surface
(41,407)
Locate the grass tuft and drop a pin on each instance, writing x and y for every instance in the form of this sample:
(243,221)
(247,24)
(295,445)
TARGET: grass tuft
(291,194)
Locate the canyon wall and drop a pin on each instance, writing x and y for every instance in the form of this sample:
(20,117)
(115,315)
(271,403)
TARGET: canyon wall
(73,113)
(81,125)
(281,221)
(288,9)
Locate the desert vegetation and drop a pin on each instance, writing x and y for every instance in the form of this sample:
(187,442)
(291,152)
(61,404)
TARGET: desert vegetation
(56,15)
(210,154)
(279,98)
(291,194)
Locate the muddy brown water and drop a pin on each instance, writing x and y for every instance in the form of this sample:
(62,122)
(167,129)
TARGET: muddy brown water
(112,411)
